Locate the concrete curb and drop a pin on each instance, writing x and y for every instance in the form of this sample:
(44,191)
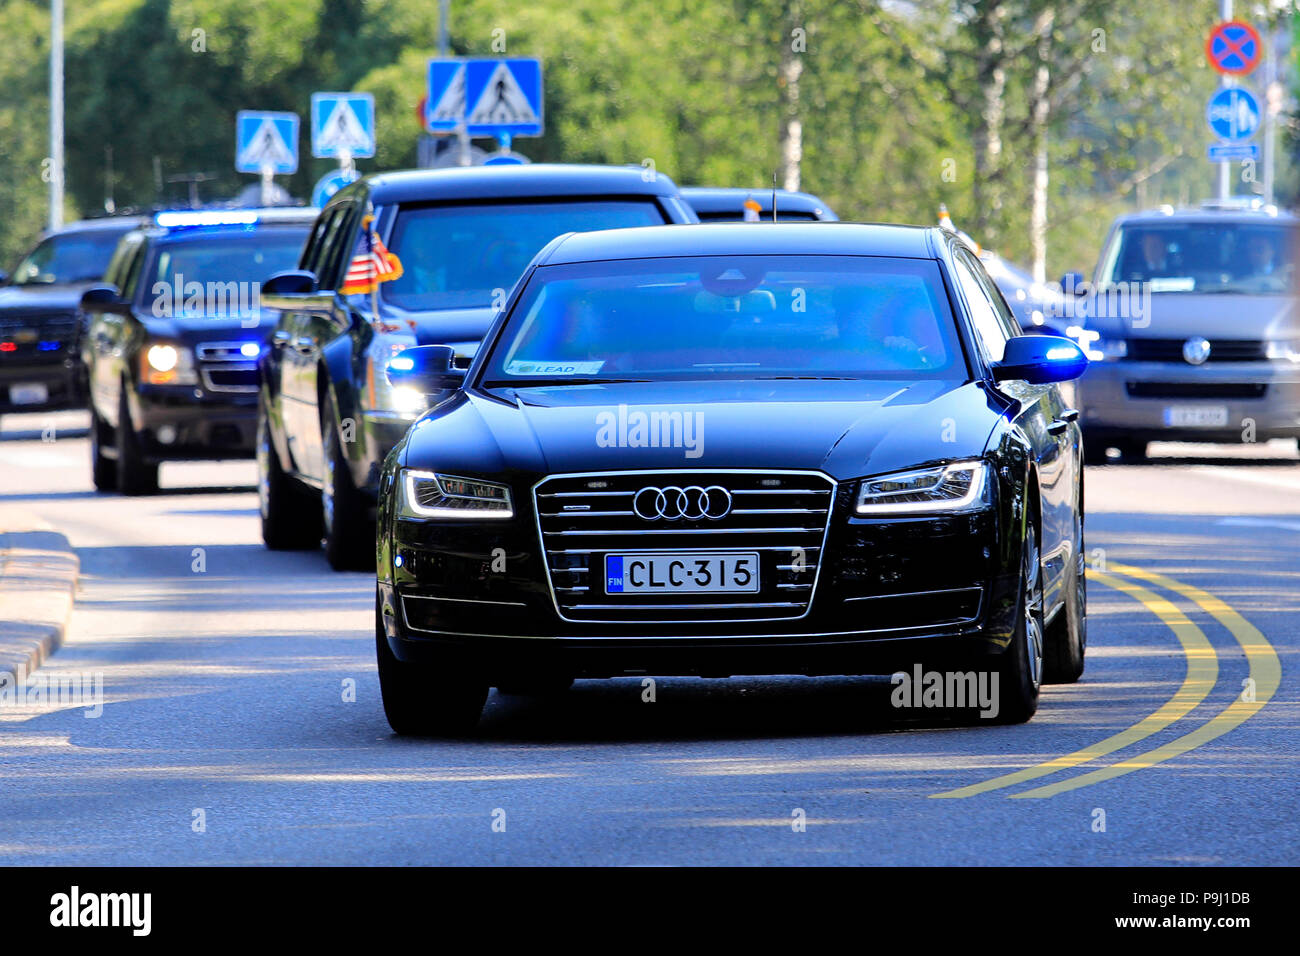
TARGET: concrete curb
(38,580)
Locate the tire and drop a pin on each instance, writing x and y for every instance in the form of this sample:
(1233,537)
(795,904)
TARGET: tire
(425,699)
(1020,666)
(1065,640)
(291,518)
(135,476)
(103,469)
(345,517)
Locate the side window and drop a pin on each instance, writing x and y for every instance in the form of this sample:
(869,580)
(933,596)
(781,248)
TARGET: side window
(988,323)
(316,243)
(115,272)
(134,266)
(337,251)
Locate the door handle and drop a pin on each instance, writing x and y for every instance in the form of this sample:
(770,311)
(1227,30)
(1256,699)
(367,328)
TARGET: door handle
(304,346)
(1057,427)
(280,338)
(1069,415)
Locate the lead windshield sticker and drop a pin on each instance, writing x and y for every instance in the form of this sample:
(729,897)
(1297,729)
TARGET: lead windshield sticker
(1173,284)
(554,368)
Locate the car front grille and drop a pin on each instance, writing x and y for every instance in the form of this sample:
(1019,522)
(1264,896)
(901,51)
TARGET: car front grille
(783,516)
(225,368)
(1171,350)
(1196,389)
(48,335)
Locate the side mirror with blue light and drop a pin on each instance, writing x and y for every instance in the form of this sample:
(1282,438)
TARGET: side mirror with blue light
(102,298)
(426,368)
(1040,360)
(1074,283)
(290,282)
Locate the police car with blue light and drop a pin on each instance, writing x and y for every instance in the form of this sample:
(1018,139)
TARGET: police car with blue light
(173,335)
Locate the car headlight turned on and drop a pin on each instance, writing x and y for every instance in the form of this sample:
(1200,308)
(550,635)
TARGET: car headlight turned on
(167,363)
(944,488)
(429,495)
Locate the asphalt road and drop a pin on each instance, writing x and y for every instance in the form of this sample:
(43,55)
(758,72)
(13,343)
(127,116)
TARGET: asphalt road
(226,672)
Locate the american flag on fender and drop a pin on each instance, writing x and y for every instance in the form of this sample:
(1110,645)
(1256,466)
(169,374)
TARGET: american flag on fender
(371,263)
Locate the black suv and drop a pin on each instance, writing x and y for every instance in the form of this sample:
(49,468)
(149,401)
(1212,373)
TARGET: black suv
(39,333)
(173,336)
(328,415)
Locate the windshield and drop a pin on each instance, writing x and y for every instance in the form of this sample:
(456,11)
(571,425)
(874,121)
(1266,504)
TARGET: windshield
(249,257)
(781,216)
(72,257)
(1205,257)
(457,256)
(738,317)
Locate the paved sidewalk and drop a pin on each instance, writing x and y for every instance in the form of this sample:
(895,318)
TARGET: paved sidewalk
(38,580)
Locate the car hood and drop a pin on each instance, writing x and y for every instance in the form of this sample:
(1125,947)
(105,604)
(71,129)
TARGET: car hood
(42,298)
(846,429)
(1175,315)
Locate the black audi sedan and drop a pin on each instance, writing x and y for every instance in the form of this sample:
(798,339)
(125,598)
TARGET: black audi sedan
(462,238)
(40,369)
(172,339)
(803,449)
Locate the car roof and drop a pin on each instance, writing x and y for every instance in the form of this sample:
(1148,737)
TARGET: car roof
(505,181)
(206,223)
(729,199)
(747,238)
(103,224)
(1210,213)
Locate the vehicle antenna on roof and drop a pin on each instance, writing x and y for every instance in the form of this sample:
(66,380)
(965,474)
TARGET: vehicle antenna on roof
(774,195)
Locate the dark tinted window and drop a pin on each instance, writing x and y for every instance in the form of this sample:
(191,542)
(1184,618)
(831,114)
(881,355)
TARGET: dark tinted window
(72,257)
(238,257)
(731,317)
(456,256)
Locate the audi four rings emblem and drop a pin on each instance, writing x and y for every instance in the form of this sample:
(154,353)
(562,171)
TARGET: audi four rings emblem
(673,503)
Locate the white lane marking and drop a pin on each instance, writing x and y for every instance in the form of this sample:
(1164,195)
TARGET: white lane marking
(1275,481)
(1261,523)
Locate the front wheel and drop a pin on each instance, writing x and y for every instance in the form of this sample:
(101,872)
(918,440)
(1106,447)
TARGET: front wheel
(102,468)
(135,476)
(1020,668)
(426,699)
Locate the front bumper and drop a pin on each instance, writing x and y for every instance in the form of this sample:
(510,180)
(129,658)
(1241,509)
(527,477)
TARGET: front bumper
(62,377)
(892,593)
(1131,399)
(200,425)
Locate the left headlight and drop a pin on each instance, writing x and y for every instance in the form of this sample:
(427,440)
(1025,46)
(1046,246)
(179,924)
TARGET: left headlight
(381,395)
(429,495)
(955,487)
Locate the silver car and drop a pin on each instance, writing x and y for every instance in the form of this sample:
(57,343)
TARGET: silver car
(1192,327)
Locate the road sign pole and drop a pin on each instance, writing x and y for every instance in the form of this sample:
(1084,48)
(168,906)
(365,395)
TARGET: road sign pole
(268,183)
(347,166)
(1225,168)
(1271,97)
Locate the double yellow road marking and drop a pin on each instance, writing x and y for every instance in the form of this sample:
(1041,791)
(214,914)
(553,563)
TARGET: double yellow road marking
(1202,672)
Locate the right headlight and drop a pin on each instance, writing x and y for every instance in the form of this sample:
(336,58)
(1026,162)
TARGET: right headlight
(429,495)
(946,488)
(167,363)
